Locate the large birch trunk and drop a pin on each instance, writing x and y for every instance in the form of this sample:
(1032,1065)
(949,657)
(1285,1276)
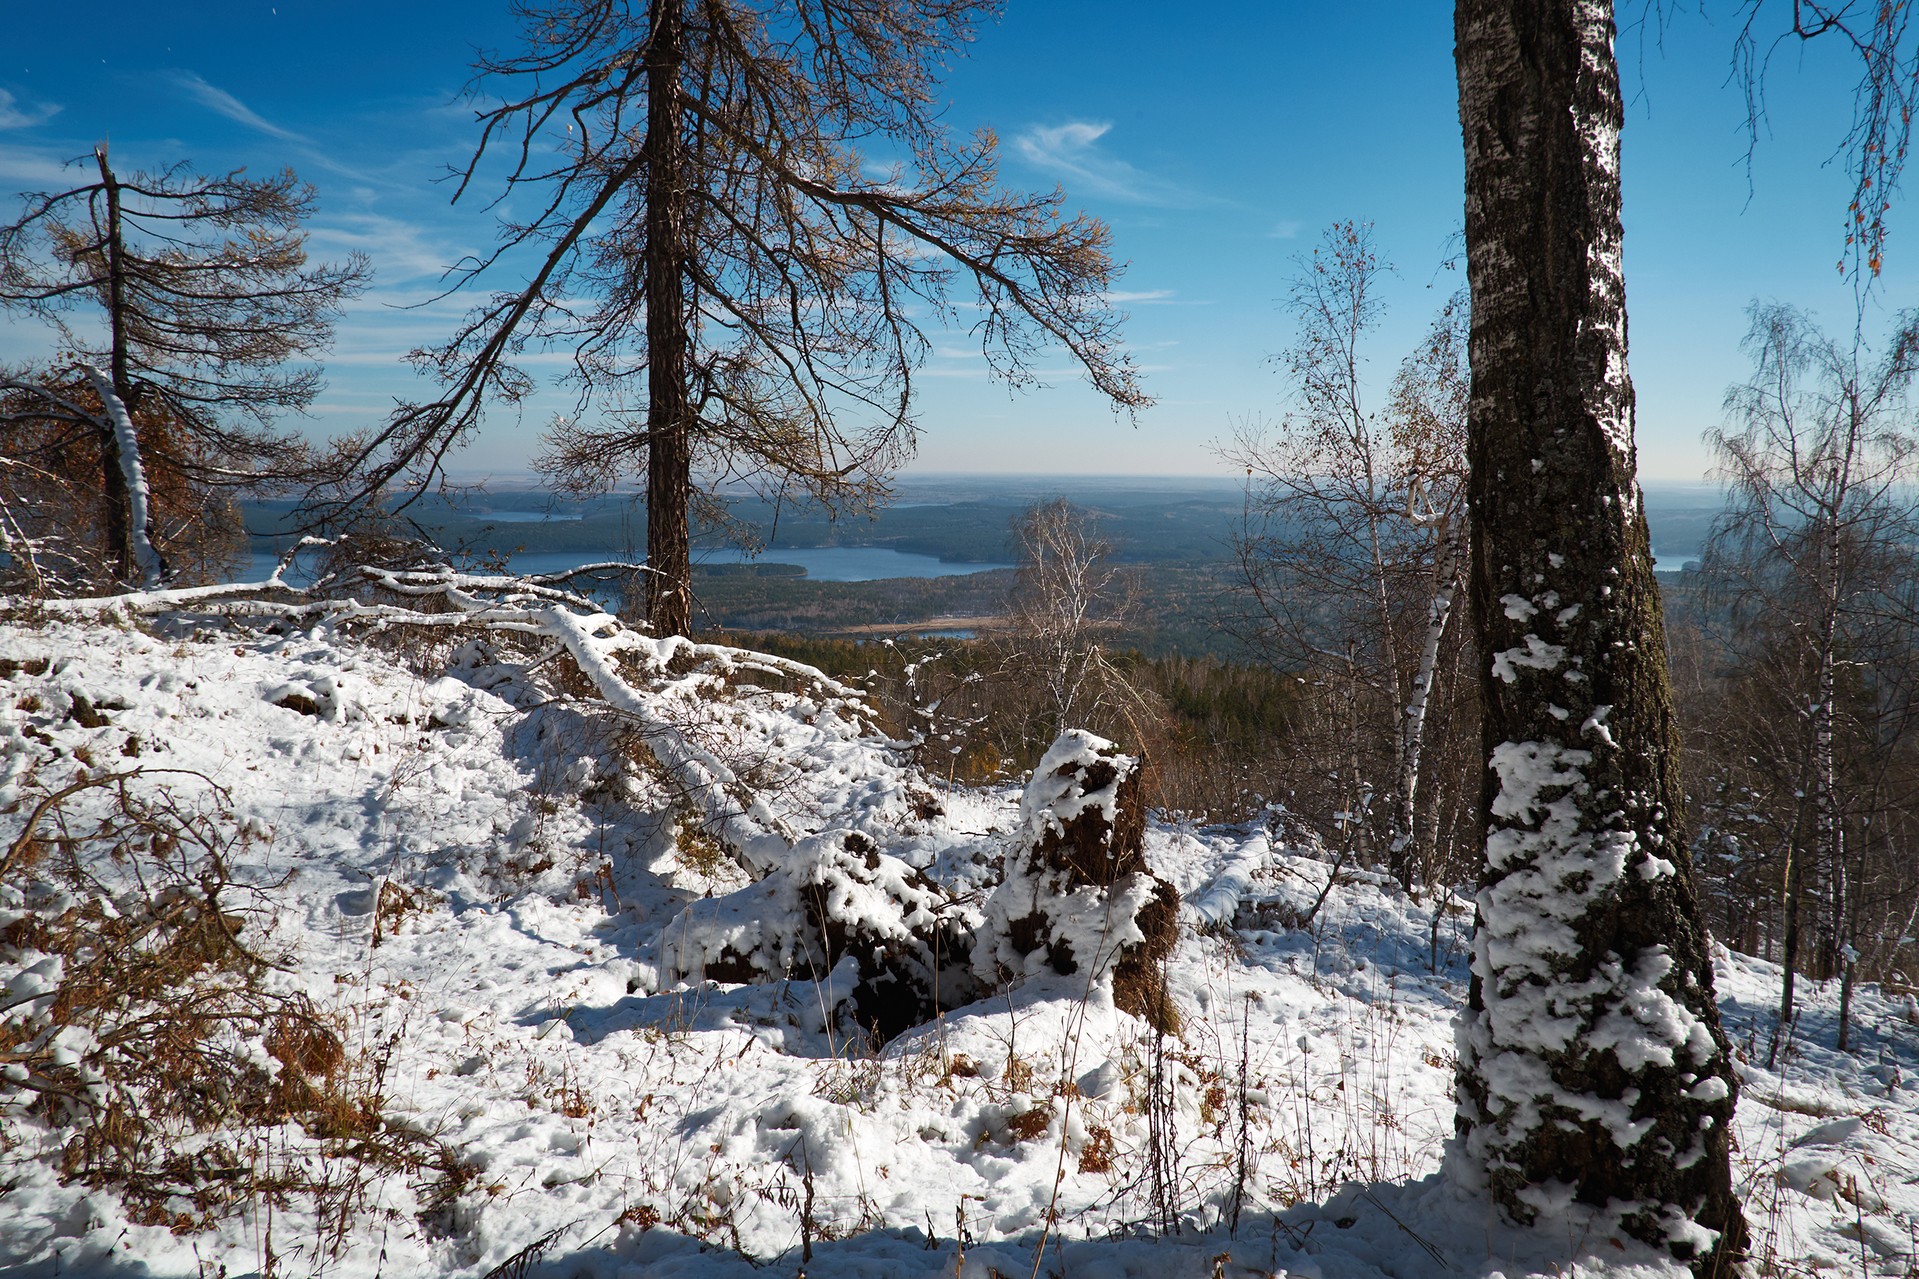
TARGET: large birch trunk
(1591,1061)
(669,476)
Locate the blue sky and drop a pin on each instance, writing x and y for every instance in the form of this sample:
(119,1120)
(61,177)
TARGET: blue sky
(1217,140)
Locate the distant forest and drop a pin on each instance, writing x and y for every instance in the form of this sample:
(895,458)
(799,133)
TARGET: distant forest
(1174,535)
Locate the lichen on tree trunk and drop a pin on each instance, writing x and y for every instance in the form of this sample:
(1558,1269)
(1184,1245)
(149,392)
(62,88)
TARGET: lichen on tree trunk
(1592,1066)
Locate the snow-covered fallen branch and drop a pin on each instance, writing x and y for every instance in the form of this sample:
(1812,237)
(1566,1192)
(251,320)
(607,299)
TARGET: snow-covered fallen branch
(617,661)
(1217,902)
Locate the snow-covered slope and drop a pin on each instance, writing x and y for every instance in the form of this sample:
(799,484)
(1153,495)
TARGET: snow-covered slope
(469,862)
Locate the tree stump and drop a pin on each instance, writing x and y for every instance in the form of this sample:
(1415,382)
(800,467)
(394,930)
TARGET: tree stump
(1077,896)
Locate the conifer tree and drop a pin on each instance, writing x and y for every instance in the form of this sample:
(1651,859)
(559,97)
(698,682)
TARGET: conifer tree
(188,318)
(742,214)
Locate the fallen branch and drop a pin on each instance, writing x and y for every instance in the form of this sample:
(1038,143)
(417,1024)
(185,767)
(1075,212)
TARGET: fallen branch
(540,606)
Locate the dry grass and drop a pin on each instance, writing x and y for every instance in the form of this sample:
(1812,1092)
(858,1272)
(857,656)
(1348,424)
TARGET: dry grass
(152,1042)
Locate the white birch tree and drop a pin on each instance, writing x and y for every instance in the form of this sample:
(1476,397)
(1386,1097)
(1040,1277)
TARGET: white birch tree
(1814,555)
(1352,551)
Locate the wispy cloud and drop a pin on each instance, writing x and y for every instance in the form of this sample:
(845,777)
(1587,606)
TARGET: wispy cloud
(400,250)
(220,102)
(1074,150)
(1285,229)
(13,115)
(26,168)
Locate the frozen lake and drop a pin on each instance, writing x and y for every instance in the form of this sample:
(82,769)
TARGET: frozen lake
(850,563)
(822,564)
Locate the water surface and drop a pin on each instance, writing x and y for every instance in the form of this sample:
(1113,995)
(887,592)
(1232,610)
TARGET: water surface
(822,564)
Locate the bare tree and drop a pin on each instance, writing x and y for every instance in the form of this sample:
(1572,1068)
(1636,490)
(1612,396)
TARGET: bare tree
(1353,548)
(742,286)
(1814,558)
(1067,598)
(200,317)
(1590,1054)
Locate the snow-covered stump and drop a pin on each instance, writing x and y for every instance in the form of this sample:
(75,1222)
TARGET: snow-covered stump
(838,899)
(1077,897)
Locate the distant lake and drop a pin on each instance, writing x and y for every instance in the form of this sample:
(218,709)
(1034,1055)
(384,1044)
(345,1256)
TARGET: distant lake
(822,564)
(849,563)
(521,517)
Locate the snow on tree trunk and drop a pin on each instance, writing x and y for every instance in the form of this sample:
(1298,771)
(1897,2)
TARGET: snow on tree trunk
(1077,898)
(1592,1066)
(138,513)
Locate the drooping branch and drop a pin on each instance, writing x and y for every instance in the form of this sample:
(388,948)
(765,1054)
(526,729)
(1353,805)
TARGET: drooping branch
(1879,138)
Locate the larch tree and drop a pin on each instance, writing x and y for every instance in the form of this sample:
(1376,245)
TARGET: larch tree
(188,319)
(1592,1064)
(742,215)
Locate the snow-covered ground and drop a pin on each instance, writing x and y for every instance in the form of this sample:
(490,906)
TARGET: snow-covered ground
(472,865)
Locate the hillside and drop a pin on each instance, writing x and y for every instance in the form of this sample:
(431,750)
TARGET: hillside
(462,875)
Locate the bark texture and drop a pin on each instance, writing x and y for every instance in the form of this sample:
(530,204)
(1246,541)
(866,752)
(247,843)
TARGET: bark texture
(669,444)
(113,482)
(1592,1065)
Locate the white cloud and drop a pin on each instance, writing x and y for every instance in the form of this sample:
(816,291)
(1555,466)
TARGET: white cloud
(15,116)
(37,169)
(220,102)
(399,250)
(1285,229)
(1073,150)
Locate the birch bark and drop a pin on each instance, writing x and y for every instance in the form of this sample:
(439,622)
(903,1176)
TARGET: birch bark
(1592,1067)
